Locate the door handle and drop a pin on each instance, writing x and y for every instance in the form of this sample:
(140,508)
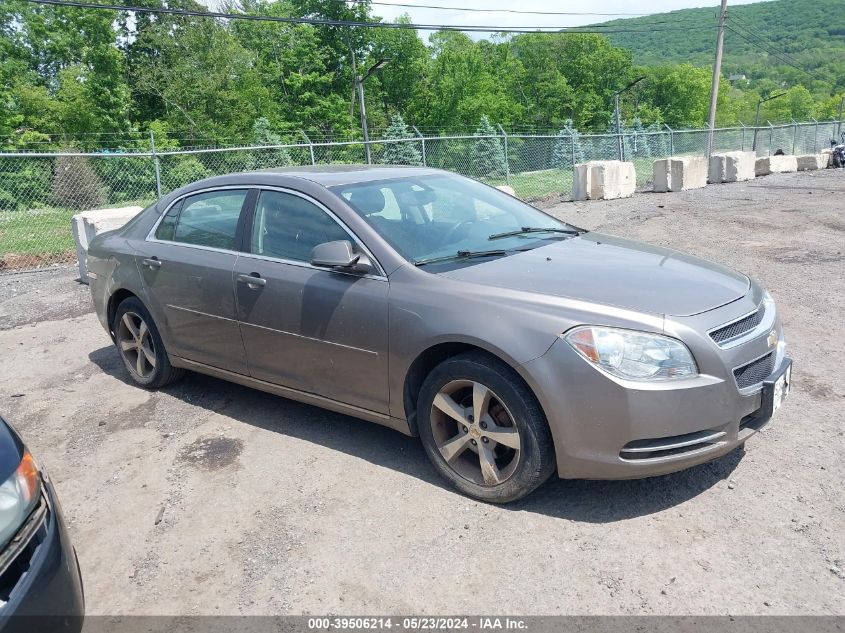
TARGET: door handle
(253,280)
(152,262)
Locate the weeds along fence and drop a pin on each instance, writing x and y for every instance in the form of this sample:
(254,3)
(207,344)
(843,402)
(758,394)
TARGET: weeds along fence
(39,192)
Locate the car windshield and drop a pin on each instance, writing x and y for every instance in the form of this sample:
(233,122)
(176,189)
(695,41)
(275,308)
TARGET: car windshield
(442,216)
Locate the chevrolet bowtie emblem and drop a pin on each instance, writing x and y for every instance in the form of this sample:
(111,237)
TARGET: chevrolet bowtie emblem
(772,338)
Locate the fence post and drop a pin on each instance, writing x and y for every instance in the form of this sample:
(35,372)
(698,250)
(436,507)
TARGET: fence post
(507,155)
(815,136)
(422,140)
(310,146)
(671,140)
(572,146)
(794,134)
(771,135)
(742,143)
(620,143)
(155,163)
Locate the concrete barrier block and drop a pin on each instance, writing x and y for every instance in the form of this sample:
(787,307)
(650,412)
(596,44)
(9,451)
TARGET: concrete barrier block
(507,189)
(809,162)
(829,154)
(604,180)
(87,224)
(775,165)
(731,167)
(680,173)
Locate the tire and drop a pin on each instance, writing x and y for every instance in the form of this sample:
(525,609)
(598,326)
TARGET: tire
(147,362)
(512,434)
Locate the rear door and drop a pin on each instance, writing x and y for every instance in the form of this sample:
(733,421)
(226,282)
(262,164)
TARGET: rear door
(311,329)
(187,267)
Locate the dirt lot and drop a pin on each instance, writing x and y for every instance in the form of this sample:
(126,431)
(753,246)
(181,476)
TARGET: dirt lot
(212,498)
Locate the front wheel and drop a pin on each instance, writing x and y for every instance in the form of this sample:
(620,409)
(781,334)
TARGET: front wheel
(140,346)
(483,429)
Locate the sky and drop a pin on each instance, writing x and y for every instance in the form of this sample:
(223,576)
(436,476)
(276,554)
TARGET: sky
(388,10)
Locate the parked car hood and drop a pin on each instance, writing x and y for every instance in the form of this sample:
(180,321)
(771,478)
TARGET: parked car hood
(613,271)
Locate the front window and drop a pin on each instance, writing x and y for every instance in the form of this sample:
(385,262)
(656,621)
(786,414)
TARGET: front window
(443,216)
(289,227)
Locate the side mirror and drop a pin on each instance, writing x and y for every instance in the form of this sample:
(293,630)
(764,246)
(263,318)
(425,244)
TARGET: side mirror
(339,256)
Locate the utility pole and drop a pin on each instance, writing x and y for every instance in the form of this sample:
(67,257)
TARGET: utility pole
(359,84)
(757,117)
(618,119)
(717,73)
(359,87)
(620,141)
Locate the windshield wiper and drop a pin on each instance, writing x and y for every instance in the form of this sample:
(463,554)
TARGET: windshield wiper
(461,255)
(525,230)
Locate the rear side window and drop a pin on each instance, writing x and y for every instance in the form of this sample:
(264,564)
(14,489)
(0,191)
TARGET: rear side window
(206,219)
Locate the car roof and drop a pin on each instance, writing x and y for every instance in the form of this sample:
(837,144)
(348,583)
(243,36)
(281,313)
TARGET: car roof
(322,175)
(331,175)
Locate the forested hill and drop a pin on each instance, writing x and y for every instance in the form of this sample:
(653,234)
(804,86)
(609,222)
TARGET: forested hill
(808,33)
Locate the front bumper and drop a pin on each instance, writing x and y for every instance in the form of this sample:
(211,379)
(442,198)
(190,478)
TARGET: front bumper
(44,586)
(604,428)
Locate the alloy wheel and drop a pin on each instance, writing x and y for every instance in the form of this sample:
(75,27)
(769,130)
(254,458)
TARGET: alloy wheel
(136,344)
(475,433)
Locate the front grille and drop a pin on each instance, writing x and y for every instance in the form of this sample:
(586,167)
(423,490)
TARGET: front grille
(755,372)
(738,328)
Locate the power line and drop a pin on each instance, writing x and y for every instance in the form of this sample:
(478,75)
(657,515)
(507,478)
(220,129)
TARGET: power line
(471,28)
(749,30)
(485,10)
(748,38)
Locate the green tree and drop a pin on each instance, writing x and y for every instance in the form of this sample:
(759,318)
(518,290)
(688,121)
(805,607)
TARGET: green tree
(76,185)
(796,104)
(680,93)
(263,135)
(405,153)
(402,78)
(463,81)
(567,146)
(295,67)
(195,74)
(488,153)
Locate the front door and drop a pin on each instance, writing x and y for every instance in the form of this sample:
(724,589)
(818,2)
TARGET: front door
(310,329)
(187,269)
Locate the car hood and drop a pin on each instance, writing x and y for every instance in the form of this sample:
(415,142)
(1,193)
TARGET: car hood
(613,271)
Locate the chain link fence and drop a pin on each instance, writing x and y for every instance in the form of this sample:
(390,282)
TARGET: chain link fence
(40,192)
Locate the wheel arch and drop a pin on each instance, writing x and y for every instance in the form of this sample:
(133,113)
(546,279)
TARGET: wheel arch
(115,299)
(435,354)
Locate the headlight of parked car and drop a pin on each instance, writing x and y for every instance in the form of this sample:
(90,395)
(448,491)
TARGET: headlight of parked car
(19,495)
(633,355)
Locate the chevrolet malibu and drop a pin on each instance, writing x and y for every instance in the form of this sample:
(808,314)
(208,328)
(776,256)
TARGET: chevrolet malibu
(512,343)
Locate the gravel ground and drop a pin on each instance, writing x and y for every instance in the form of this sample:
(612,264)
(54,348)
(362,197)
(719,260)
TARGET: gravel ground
(209,498)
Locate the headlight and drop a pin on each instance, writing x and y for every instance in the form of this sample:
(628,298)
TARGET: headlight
(633,355)
(19,495)
(767,300)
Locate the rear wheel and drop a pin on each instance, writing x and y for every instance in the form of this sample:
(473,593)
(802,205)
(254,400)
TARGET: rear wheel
(483,429)
(140,346)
